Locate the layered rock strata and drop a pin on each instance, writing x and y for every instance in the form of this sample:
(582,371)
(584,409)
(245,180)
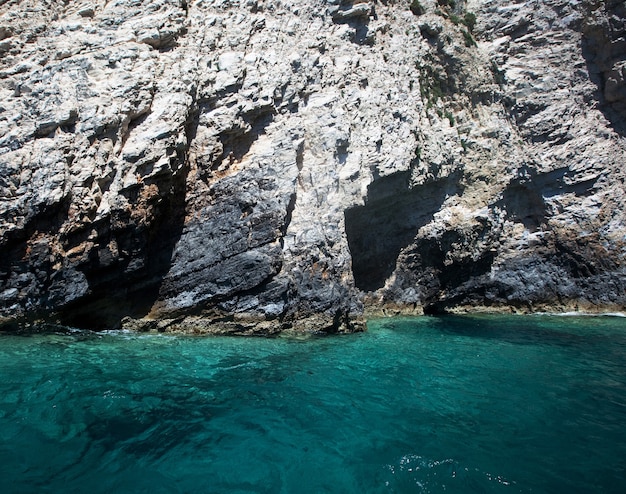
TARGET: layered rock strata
(252,167)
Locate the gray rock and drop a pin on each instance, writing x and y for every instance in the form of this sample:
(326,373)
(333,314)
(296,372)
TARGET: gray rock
(254,167)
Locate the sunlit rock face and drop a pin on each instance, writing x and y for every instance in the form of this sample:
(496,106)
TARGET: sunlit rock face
(253,167)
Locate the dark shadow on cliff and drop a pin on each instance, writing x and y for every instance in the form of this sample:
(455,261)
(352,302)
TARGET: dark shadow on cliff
(520,281)
(358,21)
(126,281)
(389,222)
(129,285)
(27,263)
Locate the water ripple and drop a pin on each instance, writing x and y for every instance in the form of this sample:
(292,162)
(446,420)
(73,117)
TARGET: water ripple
(459,404)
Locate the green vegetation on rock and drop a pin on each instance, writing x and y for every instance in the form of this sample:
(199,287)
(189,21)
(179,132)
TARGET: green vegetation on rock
(469,19)
(431,85)
(447,3)
(417,8)
(498,74)
(469,39)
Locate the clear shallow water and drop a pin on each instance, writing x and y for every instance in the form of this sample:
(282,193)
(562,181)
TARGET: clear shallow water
(427,405)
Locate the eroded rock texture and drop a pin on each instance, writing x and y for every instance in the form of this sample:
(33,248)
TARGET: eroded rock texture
(253,166)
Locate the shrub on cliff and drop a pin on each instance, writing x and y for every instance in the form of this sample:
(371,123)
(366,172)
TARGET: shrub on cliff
(447,3)
(469,19)
(416,8)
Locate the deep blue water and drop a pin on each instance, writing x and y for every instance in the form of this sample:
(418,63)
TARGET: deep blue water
(423,405)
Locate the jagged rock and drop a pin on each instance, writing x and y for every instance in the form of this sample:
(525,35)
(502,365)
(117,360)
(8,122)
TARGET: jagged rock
(341,12)
(255,167)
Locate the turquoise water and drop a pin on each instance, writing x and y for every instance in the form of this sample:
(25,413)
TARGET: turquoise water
(423,405)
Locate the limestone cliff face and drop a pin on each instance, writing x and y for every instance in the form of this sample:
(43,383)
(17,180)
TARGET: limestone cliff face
(253,166)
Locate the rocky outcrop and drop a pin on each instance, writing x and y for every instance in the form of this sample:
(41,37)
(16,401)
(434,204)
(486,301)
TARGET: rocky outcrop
(254,167)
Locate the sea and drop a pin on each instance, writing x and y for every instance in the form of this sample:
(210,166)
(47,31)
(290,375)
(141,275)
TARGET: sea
(450,404)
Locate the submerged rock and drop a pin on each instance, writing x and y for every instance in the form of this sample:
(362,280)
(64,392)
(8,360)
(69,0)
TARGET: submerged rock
(254,167)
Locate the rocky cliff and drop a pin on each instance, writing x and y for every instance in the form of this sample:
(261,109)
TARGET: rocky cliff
(254,166)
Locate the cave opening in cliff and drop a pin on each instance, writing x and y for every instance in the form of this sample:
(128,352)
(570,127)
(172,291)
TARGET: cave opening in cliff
(388,222)
(128,284)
